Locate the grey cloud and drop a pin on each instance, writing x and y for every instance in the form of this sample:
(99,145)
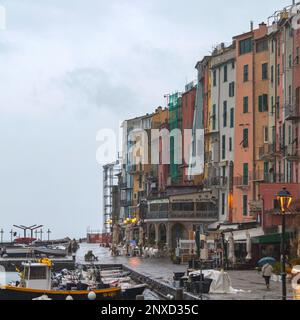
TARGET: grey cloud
(94,87)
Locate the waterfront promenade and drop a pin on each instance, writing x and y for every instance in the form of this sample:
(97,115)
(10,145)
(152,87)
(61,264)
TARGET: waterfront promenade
(249,284)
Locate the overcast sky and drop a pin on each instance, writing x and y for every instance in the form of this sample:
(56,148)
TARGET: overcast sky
(71,67)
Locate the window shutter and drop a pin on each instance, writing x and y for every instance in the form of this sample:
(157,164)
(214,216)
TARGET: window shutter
(260,103)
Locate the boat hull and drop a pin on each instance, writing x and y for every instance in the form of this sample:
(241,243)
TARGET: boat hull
(15,293)
(131,293)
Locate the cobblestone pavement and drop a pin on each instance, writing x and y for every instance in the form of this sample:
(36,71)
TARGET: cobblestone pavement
(250,284)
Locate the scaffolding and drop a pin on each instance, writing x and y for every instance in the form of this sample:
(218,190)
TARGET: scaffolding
(175,122)
(110,180)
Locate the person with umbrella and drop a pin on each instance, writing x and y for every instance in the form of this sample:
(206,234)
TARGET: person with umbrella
(267,269)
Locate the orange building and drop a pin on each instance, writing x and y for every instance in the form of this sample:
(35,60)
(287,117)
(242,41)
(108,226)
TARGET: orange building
(243,145)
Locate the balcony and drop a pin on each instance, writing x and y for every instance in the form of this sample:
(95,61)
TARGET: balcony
(203,215)
(292,113)
(291,153)
(241,182)
(210,215)
(267,177)
(218,182)
(268,152)
(126,203)
(157,215)
(124,186)
(133,169)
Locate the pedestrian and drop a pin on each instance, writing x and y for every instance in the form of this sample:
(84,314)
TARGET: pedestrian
(267,271)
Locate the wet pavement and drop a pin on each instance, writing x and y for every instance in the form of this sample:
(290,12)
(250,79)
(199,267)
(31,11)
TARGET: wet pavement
(250,284)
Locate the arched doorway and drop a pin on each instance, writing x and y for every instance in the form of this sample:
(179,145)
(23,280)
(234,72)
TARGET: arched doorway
(178,232)
(151,235)
(162,234)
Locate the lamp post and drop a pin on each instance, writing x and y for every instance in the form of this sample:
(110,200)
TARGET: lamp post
(285,199)
(2,232)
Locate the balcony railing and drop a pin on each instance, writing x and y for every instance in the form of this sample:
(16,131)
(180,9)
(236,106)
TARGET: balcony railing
(124,186)
(292,112)
(157,215)
(291,152)
(267,151)
(242,182)
(133,169)
(219,182)
(205,215)
(126,203)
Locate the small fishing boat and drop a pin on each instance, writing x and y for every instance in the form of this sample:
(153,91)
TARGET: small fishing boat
(18,251)
(36,281)
(56,251)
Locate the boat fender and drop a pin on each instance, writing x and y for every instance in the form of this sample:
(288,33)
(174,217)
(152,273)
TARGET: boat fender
(92,295)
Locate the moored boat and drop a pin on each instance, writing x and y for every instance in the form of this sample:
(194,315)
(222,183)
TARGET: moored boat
(18,293)
(36,281)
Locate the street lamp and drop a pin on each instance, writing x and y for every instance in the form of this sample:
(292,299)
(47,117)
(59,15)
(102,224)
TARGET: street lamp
(284,199)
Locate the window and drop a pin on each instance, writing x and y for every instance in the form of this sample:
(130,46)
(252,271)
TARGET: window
(231,89)
(245,205)
(246,73)
(223,147)
(214,115)
(297,55)
(263,103)
(245,138)
(272,74)
(225,114)
(272,105)
(230,144)
(266,134)
(233,64)
(223,203)
(245,46)
(231,117)
(277,107)
(290,61)
(188,206)
(278,74)
(290,134)
(245,104)
(223,172)
(290,95)
(225,74)
(36,273)
(264,70)
(298,98)
(262,45)
(266,171)
(215,78)
(245,174)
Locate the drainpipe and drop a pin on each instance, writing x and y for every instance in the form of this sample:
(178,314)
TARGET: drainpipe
(253,118)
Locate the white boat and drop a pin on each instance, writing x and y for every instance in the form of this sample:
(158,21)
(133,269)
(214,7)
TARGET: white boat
(17,252)
(61,252)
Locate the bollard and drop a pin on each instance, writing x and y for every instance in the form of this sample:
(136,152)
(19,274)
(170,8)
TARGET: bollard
(179,294)
(141,297)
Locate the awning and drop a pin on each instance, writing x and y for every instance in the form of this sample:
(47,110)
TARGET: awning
(229,227)
(241,235)
(270,238)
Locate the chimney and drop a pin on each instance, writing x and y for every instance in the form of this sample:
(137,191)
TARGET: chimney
(251,25)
